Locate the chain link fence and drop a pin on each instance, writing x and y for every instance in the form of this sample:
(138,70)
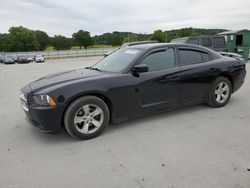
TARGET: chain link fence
(61,53)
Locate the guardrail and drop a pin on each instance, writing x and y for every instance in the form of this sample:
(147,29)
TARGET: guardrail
(61,53)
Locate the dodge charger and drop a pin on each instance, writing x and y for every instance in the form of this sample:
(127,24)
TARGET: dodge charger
(131,82)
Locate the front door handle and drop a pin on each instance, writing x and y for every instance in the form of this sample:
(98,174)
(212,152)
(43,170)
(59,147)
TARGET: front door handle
(169,79)
(212,68)
(173,77)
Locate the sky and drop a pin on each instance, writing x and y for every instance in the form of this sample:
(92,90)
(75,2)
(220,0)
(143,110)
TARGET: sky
(65,17)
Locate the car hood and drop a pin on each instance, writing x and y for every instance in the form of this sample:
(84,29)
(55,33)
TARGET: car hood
(63,77)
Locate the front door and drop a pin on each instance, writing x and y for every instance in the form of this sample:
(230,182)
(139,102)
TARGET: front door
(158,88)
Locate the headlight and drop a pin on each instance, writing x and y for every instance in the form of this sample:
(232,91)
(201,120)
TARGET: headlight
(44,100)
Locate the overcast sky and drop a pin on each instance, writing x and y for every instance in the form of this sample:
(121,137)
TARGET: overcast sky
(144,16)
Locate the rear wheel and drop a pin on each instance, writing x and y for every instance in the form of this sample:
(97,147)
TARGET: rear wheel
(220,92)
(86,117)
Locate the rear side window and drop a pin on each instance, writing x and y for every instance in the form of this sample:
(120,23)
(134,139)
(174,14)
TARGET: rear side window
(193,41)
(207,42)
(219,42)
(160,60)
(205,57)
(188,57)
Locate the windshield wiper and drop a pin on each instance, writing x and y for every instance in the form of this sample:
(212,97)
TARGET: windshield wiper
(92,68)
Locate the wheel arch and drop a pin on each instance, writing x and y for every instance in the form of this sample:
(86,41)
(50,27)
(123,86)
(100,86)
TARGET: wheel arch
(96,94)
(229,77)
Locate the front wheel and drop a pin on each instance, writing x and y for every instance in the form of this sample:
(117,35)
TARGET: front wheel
(220,92)
(86,117)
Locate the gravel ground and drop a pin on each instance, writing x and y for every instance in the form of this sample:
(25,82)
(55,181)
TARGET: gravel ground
(196,146)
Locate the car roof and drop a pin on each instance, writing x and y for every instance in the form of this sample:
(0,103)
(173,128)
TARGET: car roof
(162,45)
(159,45)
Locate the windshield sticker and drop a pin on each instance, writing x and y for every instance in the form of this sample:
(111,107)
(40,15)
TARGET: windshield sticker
(131,52)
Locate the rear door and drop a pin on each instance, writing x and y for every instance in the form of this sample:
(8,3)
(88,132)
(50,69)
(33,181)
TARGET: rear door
(197,72)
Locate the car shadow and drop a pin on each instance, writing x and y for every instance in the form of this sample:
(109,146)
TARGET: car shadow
(176,113)
(63,136)
(156,117)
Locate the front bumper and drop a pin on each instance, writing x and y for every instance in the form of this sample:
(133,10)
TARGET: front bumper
(9,62)
(39,60)
(46,119)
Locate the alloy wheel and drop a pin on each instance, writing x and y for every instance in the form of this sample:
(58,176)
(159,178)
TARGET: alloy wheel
(88,118)
(221,92)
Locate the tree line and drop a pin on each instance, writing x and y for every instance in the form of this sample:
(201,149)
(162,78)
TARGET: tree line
(24,39)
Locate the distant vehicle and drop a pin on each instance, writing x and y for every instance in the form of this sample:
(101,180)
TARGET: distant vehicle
(1,59)
(126,44)
(39,59)
(30,59)
(8,60)
(132,82)
(216,43)
(22,59)
(15,59)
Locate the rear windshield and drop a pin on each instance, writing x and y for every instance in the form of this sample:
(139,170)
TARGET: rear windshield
(219,42)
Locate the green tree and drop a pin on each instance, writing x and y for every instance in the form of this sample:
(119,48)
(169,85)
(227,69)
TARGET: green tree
(186,32)
(5,43)
(42,38)
(60,42)
(114,39)
(159,36)
(22,39)
(83,38)
(131,38)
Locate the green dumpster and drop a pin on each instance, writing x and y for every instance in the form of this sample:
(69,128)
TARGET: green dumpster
(238,42)
(244,52)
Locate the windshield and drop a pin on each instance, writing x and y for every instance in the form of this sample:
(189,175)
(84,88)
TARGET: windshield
(118,60)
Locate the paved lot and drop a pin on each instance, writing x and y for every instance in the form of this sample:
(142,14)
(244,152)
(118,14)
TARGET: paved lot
(192,147)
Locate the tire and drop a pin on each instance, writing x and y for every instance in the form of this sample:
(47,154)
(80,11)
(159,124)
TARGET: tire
(220,92)
(86,117)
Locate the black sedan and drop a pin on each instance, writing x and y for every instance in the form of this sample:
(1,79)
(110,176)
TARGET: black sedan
(132,82)
(23,59)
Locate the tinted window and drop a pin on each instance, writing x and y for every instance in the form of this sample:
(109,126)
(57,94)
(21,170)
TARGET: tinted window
(193,41)
(207,42)
(160,60)
(219,42)
(205,57)
(188,57)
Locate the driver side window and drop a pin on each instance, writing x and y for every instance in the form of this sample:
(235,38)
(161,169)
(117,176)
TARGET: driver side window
(160,60)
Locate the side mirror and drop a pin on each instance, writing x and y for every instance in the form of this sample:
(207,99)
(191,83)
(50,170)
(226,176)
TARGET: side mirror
(140,68)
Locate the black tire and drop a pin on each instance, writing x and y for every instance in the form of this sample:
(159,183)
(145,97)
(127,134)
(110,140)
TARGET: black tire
(75,107)
(212,96)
